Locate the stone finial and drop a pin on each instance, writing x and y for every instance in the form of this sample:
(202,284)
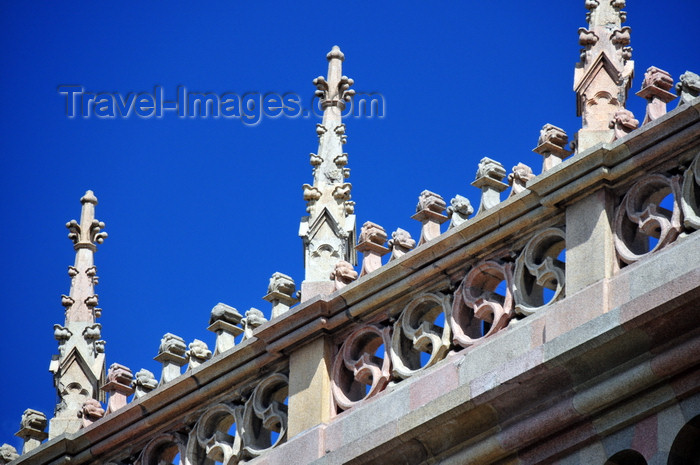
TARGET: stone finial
(199,353)
(489,179)
(400,243)
(281,293)
(623,123)
(91,412)
(343,274)
(552,146)
(518,178)
(7,454)
(656,90)
(118,386)
(171,354)
(371,246)
(88,232)
(253,319)
(144,382)
(224,322)
(429,213)
(32,429)
(459,210)
(688,87)
(336,91)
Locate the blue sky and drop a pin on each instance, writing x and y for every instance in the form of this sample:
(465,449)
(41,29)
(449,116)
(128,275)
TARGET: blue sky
(201,211)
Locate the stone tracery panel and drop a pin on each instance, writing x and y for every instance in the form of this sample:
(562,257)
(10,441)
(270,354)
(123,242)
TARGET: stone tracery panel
(239,429)
(358,373)
(641,216)
(476,300)
(538,268)
(417,331)
(690,200)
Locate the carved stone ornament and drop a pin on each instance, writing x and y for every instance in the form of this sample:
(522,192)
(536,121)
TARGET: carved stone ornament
(253,319)
(478,311)
(144,382)
(489,179)
(536,268)
(357,372)
(343,274)
(518,178)
(32,429)
(429,213)
(459,210)
(688,87)
(690,200)
(400,243)
(8,454)
(171,354)
(416,332)
(371,246)
(233,432)
(640,216)
(623,123)
(224,322)
(656,90)
(119,381)
(198,353)
(91,412)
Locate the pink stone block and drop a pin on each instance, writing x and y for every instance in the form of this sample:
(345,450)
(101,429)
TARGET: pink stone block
(645,438)
(432,385)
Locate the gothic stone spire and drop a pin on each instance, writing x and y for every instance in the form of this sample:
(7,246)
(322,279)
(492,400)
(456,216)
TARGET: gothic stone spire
(79,367)
(603,76)
(328,232)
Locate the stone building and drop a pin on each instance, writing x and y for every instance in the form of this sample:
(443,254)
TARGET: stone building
(559,324)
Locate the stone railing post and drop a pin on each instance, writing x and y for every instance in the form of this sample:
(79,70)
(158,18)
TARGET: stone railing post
(32,429)
(281,293)
(489,179)
(118,387)
(371,246)
(552,146)
(172,355)
(656,90)
(400,243)
(223,322)
(590,250)
(429,213)
(91,412)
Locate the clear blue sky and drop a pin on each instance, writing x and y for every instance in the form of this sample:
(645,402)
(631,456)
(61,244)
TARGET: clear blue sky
(201,211)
